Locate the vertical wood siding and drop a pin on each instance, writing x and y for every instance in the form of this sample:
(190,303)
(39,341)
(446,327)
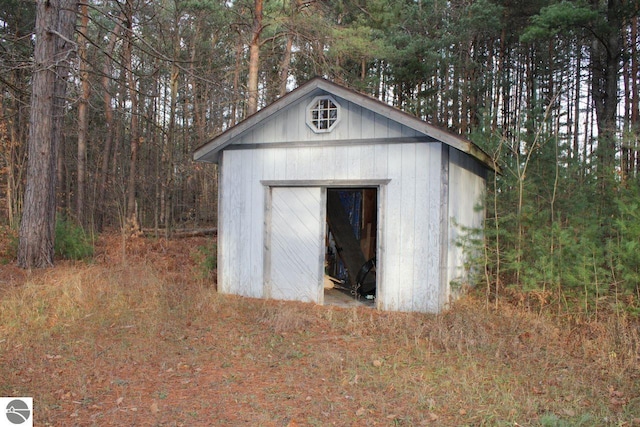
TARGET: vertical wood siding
(466,193)
(409,224)
(356,123)
(417,255)
(295,244)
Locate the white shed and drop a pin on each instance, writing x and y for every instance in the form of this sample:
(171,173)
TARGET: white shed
(329,178)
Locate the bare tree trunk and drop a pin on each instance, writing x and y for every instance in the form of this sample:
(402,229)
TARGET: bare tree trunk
(83,119)
(134,131)
(285,65)
(200,90)
(236,82)
(108,116)
(576,108)
(635,96)
(625,152)
(168,158)
(254,58)
(605,53)
(497,76)
(16,155)
(55,24)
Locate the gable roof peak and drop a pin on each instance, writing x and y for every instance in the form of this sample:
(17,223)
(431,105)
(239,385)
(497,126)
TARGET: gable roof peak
(210,150)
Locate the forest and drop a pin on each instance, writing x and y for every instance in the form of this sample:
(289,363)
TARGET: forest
(549,89)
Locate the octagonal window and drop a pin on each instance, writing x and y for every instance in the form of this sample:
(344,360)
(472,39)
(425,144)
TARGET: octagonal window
(323,114)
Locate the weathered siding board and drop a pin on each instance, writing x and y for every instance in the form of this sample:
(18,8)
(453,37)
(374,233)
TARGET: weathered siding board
(327,159)
(388,292)
(286,124)
(366,162)
(256,225)
(296,245)
(244,220)
(381,126)
(381,160)
(353,121)
(431,282)
(353,156)
(381,255)
(443,241)
(356,123)
(314,159)
(408,243)
(241,214)
(340,168)
(466,178)
(233,217)
(269,163)
(223,256)
(280,163)
(424,215)
(409,197)
(409,225)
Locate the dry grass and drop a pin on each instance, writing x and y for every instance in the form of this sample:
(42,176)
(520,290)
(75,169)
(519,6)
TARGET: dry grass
(140,338)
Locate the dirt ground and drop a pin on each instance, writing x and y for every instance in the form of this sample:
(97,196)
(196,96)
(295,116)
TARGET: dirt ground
(140,337)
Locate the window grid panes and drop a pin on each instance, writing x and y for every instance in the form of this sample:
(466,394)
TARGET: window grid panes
(324,114)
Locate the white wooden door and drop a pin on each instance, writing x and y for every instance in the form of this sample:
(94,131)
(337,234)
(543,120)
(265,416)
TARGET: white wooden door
(295,239)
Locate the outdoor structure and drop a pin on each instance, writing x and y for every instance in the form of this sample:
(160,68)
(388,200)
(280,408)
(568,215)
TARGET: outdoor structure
(326,178)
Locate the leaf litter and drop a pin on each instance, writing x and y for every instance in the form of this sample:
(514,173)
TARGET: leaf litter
(140,337)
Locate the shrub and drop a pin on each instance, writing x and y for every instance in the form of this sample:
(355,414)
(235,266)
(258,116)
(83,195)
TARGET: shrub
(8,245)
(207,259)
(71,241)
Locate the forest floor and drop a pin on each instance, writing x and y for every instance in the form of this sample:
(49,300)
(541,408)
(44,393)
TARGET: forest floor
(140,337)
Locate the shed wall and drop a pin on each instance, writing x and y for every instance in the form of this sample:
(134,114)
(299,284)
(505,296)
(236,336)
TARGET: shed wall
(409,258)
(356,123)
(467,181)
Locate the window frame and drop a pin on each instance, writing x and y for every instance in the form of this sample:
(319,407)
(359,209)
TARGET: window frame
(328,114)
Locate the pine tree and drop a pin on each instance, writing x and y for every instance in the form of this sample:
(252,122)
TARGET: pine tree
(55,24)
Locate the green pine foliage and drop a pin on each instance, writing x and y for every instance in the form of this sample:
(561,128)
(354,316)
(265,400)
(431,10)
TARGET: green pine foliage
(549,233)
(71,241)
(206,257)
(565,15)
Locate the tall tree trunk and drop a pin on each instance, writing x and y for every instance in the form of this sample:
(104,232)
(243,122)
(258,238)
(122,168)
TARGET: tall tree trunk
(254,58)
(235,105)
(16,157)
(169,155)
(83,119)
(604,87)
(625,154)
(284,66)
(134,130)
(635,97)
(55,24)
(108,118)
(499,95)
(14,109)
(200,90)
(576,107)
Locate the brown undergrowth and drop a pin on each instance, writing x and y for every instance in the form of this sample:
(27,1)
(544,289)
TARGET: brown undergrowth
(139,336)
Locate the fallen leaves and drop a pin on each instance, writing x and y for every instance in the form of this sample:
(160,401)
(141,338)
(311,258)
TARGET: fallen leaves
(616,397)
(188,354)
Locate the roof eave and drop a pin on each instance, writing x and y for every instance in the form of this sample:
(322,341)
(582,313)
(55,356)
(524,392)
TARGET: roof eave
(209,152)
(219,142)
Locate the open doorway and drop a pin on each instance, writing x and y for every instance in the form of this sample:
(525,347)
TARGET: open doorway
(351,246)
